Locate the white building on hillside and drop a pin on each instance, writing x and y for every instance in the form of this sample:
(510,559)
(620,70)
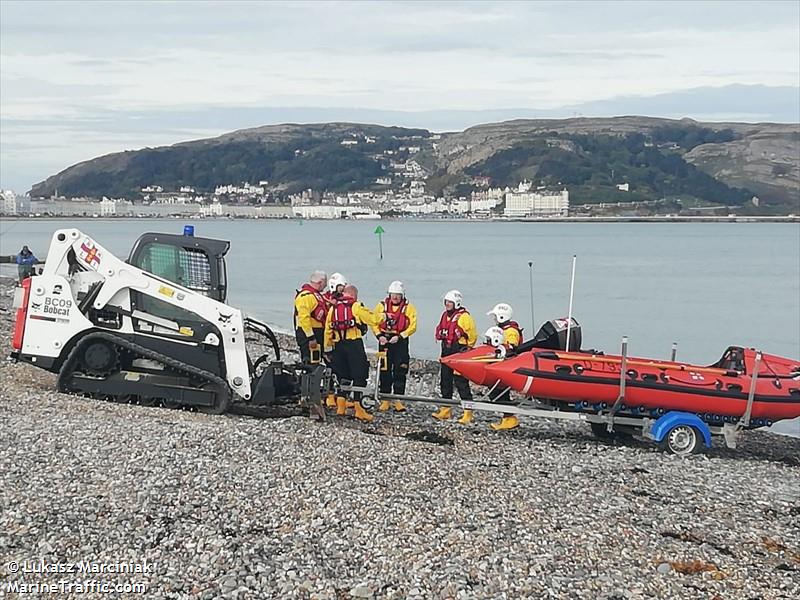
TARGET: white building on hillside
(525,204)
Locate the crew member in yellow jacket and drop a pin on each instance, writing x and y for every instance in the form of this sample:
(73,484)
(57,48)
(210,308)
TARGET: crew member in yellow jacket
(456,331)
(347,322)
(310,311)
(503,314)
(398,322)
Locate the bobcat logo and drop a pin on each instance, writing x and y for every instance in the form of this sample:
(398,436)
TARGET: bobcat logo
(225,318)
(36,306)
(57,289)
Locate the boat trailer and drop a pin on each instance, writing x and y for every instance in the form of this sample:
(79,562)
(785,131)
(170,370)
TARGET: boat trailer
(677,432)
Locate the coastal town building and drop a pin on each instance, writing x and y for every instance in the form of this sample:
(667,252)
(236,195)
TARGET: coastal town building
(535,204)
(245,189)
(215,209)
(108,207)
(324,211)
(11,204)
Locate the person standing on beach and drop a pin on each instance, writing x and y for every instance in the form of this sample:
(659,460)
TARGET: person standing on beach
(456,331)
(310,312)
(345,326)
(336,283)
(502,314)
(398,323)
(25,262)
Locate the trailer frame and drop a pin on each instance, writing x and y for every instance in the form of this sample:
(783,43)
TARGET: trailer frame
(678,432)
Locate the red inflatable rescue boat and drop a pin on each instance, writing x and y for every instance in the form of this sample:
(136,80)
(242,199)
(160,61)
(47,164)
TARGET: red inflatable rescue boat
(591,380)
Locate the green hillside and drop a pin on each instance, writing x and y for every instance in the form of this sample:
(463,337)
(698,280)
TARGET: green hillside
(724,163)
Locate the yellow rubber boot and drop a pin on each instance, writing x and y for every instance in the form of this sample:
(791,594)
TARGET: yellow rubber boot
(442,414)
(384,406)
(507,423)
(399,406)
(341,406)
(466,418)
(330,401)
(361,414)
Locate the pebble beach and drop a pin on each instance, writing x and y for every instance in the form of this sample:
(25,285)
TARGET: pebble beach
(250,505)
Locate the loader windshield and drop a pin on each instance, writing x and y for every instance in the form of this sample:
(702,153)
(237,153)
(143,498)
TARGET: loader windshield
(188,267)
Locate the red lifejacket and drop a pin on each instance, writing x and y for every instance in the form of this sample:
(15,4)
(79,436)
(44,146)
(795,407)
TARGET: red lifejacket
(331,298)
(320,311)
(448,330)
(396,320)
(343,318)
(513,324)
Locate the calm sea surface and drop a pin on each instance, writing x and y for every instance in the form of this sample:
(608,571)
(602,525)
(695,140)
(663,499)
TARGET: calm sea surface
(703,285)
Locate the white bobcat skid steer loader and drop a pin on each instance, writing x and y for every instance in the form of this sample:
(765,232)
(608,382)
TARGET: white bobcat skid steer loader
(153,330)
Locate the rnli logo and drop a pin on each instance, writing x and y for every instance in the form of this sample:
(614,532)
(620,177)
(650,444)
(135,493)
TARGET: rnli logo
(89,253)
(696,376)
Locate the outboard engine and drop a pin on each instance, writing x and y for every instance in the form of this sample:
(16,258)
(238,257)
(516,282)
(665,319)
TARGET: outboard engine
(553,336)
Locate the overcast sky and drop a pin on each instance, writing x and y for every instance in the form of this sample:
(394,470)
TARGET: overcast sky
(79,79)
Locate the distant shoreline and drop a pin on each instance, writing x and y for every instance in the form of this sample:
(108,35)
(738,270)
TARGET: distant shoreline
(640,219)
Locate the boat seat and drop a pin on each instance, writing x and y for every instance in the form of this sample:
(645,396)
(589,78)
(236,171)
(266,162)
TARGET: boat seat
(733,360)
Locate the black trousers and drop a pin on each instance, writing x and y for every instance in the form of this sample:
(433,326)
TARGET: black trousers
(350,362)
(448,379)
(502,395)
(394,377)
(302,341)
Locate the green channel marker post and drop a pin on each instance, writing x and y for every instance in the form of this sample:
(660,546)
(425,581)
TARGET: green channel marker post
(379,232)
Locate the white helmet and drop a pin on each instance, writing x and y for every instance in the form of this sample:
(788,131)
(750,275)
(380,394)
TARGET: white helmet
(502,312)
(335,281)
(455,297)
(494,336)
(397,287)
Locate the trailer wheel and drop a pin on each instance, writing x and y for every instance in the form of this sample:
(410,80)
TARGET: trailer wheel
(682,440)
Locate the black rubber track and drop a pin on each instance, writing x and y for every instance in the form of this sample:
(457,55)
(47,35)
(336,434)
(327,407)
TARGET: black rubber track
(223,396)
